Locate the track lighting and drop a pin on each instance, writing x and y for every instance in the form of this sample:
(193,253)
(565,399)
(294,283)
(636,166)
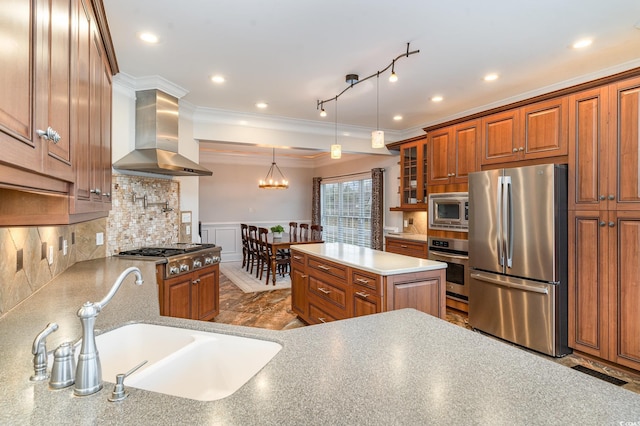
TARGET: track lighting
(323,113)
(377,136)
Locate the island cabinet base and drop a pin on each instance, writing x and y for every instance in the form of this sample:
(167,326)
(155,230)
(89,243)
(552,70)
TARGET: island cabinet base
(324,291)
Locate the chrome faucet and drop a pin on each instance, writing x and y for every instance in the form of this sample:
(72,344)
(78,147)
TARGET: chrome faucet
(89,371)
(39,352)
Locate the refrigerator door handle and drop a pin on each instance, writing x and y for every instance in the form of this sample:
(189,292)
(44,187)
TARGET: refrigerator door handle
(499,240)
(532,288)
(508,214)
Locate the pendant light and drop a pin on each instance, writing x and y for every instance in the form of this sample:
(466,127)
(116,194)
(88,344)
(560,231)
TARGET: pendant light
(270,181)
(377,136)
(336,149)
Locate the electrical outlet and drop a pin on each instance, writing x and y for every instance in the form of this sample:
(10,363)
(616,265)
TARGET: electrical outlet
(65,248)
(19,260)
(50,255)
(410,221)
(406,223)
(99,238)
(188,230)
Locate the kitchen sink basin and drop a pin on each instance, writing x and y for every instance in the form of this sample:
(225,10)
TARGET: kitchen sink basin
(186,363)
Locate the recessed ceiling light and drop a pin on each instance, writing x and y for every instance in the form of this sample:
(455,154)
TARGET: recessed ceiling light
(397,117)
(437,98)
(262,105)
(581,44)
(491,77)
(148,37)
(217,79)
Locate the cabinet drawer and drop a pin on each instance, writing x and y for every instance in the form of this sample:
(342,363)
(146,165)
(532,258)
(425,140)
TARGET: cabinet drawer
(298,258)
(333,269)
(365,303)
(319,315)
(407,248)
(333,293)
(371,282)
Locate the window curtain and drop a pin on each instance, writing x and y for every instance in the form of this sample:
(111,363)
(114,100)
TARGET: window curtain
(315,201)
(377,208)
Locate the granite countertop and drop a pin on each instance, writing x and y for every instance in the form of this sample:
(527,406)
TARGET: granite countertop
(376,261)
(399,367)
(407,236)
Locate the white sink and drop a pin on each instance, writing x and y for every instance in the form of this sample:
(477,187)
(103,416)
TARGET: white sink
(185,363)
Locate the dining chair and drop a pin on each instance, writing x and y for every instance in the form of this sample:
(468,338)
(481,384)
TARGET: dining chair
(316,232)
(244,232)
(254,258)
(304,231)
(293,230)
(266,253)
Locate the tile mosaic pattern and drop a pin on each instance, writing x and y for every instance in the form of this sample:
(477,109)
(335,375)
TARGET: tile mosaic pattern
(16,285)
(130,225)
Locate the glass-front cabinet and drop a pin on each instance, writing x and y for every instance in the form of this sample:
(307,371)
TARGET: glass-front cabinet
(413,174)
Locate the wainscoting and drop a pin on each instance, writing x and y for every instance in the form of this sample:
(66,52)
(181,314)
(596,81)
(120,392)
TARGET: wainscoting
(228,236)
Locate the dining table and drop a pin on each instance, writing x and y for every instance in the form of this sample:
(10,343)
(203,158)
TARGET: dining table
(284,242)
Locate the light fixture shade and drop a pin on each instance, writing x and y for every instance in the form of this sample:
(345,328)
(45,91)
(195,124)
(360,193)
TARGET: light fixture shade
(377,139)
(393,77)
(336,151)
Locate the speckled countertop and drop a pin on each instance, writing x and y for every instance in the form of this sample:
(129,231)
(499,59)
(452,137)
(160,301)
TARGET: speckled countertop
(400,367)
(366,259)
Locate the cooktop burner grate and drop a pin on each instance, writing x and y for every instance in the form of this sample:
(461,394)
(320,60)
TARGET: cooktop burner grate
(167,251)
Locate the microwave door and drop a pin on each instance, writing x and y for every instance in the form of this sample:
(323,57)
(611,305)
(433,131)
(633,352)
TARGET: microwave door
(487,250)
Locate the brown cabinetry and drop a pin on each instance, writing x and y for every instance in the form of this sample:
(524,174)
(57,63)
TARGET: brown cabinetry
(335,291)
(413,175)
(604,232)
(406,247)
(34,82)
(452,153)
(192,296)
(531,132)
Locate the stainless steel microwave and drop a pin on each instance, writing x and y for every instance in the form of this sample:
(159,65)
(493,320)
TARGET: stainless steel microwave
(449,211)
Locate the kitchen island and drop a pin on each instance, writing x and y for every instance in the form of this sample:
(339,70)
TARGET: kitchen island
(398,367)
(335,281)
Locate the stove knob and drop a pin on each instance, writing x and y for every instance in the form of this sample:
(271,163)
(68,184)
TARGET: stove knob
(208,260)
(197,263)
(173,270)
(216,258)
(184,267)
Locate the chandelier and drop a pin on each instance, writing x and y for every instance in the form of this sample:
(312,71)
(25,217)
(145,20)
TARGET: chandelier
(272,182)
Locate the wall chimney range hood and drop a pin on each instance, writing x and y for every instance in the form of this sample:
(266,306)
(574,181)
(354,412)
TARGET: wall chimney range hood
(157,138)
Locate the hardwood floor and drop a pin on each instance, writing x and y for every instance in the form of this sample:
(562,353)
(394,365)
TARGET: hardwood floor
(272,310)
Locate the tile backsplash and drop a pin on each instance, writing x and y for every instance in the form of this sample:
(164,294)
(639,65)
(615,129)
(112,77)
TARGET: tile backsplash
(132,225)
(38,246)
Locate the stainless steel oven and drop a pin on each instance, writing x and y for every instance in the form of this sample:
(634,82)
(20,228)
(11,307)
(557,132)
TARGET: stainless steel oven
(456,254)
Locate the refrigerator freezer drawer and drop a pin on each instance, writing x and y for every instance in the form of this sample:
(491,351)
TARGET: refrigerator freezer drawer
(516,310)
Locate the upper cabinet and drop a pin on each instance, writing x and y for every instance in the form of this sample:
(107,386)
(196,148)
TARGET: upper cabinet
(55,109)
(452,153)
(533,131)
(413,174)
(34,81)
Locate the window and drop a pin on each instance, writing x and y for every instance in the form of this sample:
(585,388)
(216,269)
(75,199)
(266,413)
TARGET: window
(346,210)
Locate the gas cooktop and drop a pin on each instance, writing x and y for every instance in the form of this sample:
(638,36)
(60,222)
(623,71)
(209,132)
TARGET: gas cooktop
(167,250)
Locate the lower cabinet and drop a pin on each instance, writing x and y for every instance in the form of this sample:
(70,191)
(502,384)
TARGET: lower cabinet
(408,248)
(193,296)
(323,291)
(604,285)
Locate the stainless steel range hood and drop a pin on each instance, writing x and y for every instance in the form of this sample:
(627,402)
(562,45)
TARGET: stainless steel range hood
(157,138)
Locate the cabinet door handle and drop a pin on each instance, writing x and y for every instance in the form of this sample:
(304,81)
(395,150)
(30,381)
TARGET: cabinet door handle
(322,320)
(602,223)
(107,194)
(96,191)
(521,149)
(362,280)
(303,275)
(296,257)
(194,282)
(403,246)
(602,197)
(323,290)
(324,268)
(515,149)
(612,224)
(49,135)
(362,294)
(612,197)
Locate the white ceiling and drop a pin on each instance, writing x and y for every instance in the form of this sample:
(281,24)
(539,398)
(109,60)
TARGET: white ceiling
(292,53)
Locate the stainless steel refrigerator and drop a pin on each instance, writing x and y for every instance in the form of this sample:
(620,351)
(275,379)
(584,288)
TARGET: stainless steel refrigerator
(518,256)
